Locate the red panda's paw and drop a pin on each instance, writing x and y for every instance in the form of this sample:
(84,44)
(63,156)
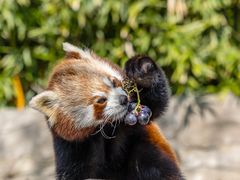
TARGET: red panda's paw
(141,69)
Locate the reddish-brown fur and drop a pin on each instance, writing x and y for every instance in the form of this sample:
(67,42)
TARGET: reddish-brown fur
(116,82)
(66,128)
(59,71)
(98,109)
(157,138)
(72,55)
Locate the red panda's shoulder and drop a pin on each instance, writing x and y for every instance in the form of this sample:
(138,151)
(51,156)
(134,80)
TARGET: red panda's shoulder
(156,137)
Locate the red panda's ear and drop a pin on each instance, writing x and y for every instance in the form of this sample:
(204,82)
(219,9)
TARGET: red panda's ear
(45,102)
(72,52)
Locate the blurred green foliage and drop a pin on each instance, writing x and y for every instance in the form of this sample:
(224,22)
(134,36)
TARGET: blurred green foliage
(197,43)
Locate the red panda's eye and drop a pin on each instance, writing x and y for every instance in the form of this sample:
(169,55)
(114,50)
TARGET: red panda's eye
(101,100)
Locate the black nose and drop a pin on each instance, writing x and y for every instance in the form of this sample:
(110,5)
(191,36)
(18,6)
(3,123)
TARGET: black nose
(123,99)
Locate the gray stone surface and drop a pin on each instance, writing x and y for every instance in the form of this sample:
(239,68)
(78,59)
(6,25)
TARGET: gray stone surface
(26,149)
(208,147)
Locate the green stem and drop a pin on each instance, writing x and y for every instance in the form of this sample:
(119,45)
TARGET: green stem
(138,99)
(131,87)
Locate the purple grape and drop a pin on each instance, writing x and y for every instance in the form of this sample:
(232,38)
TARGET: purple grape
(130,119)
(147,110)
(132,106)
(143,118)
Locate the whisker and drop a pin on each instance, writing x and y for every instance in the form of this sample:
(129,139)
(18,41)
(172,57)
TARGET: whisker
(106,136)
(114,119)
(114,128)
(97,130)
(101,127)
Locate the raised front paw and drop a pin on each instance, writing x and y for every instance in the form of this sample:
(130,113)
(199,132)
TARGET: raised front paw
(141,69)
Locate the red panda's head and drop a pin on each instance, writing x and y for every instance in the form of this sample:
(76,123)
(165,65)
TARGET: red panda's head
(84,92)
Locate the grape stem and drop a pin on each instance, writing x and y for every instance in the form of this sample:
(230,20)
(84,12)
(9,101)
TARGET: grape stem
(135,89)
(130,90)
(137,108)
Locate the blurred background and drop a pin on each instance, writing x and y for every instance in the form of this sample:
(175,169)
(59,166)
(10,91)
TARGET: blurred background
(196,42)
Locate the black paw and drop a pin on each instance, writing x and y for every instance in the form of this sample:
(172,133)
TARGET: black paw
(141,69)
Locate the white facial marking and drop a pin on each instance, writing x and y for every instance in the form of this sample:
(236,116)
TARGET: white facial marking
(120,91)
(84,116)
(107,82)
(114,110)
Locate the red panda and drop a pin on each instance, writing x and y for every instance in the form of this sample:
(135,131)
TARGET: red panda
(84,97)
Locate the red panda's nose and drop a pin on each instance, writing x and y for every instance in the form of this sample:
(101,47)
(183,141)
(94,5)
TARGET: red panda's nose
(123,99)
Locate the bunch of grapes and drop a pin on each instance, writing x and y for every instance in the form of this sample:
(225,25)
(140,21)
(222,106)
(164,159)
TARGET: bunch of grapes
(142,114)
(136,111)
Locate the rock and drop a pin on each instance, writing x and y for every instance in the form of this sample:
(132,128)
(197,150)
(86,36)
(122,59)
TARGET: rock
(208,146)
(26,149)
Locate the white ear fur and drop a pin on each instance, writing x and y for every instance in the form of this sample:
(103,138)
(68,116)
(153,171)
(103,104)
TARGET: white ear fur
(84,54)
(70,48)
(45,102)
